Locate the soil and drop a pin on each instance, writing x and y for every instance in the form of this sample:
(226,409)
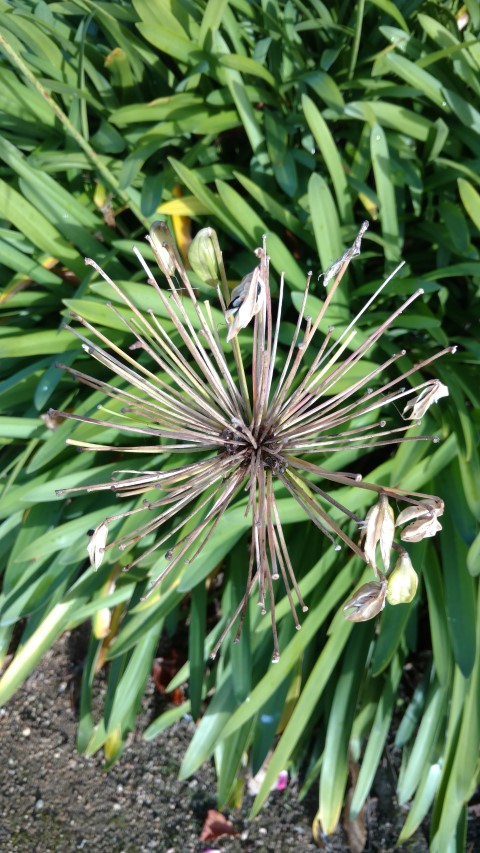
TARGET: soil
(53,799)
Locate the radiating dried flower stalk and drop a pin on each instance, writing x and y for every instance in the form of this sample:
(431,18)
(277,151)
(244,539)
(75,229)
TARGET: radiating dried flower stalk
(252,429)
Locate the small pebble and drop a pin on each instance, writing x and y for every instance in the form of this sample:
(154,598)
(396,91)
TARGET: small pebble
(26,732)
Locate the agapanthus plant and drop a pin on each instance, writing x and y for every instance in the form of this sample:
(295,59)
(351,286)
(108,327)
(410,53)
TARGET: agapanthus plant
(250,427)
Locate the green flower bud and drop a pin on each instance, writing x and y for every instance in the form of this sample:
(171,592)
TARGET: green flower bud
(403,581)
(163,246)
(202,258)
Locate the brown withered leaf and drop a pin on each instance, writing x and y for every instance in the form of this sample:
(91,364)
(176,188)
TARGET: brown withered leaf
(164,669)
(216,825)
(355,829)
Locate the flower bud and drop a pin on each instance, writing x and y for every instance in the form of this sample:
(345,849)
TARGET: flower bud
(379,527)
(202,258)
(96,545)
(367,602)
(163,246)
(403,581)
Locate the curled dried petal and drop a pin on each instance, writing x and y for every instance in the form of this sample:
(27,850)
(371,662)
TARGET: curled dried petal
(96,545)
(423,528)
(247,300)
(430,394)
(403,582)
(430,508)
(367,602)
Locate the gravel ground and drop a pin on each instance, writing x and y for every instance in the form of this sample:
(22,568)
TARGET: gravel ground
(52,799)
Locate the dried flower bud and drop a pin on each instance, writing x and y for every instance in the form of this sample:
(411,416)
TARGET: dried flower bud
(201,255)
(379,527)
(430,394)
(96,545)
(403,582)
(163,246)
(247,300)
(367,602)
(423,528)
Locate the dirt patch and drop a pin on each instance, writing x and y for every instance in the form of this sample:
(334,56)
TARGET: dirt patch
(52,799)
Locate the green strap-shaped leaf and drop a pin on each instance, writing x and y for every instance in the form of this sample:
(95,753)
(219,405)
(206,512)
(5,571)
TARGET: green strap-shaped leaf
(382,170)
(334,772)
(377,737)
(329,151)
(325,222)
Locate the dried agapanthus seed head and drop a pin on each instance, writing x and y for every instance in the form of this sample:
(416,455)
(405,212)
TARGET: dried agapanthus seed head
(402,582)
(242,426)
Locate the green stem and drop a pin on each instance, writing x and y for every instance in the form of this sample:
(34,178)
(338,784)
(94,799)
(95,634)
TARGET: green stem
(92,155)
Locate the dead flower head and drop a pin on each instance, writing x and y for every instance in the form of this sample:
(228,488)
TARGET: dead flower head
(247,428)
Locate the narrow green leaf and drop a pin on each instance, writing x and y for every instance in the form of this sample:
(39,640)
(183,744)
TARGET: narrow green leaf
(377,738)
(246,65)
(334,772)
(382,170)
(85,723)
(329,152)
(30,653)
(470,199)
(464,770)
(206,737)
(442,650)
(422,801)
(425,741)
(281,258)
(392,10)
(37,228)
(473,557)
(212,18)
(459,596)
(166,720)
(326,225)
(420,79)
(196,647)
(228,759)
(307,702)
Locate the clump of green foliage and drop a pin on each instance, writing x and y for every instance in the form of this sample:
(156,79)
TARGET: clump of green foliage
(277,118)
